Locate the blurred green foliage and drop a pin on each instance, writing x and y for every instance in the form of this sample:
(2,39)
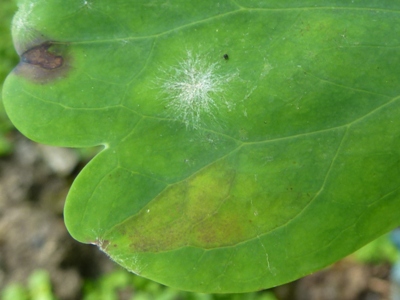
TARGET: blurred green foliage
(378,251)
(39,288)
(15,292)
(8,59)
(113,285)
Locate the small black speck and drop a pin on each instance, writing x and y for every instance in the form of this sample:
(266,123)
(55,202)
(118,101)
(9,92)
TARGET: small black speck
(225,56)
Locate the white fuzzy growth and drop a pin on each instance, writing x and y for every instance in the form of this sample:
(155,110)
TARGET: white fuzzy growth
(87,4)
(23,29)
(20,21)
(193,90)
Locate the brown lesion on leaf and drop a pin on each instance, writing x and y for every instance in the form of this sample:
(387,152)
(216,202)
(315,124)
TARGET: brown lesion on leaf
(42,57)
(45,62)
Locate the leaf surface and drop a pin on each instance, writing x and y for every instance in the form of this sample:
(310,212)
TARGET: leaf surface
(246,143)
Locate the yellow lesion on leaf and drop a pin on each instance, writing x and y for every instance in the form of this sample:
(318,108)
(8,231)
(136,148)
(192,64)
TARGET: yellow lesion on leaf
(189,213)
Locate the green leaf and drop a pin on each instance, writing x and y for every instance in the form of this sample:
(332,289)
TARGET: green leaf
(8,59)
(220,173)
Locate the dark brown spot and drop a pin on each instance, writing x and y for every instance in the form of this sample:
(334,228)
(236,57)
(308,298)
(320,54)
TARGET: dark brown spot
(42,57)
(45,62)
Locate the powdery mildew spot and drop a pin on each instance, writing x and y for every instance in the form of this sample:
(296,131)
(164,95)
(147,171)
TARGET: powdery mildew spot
(194,90)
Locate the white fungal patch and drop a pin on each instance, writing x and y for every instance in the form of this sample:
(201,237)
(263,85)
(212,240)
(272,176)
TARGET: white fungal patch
(130,261)
(102,244)
(87,4)
(99,241)
(22,26)
(194,90)
(20,18)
